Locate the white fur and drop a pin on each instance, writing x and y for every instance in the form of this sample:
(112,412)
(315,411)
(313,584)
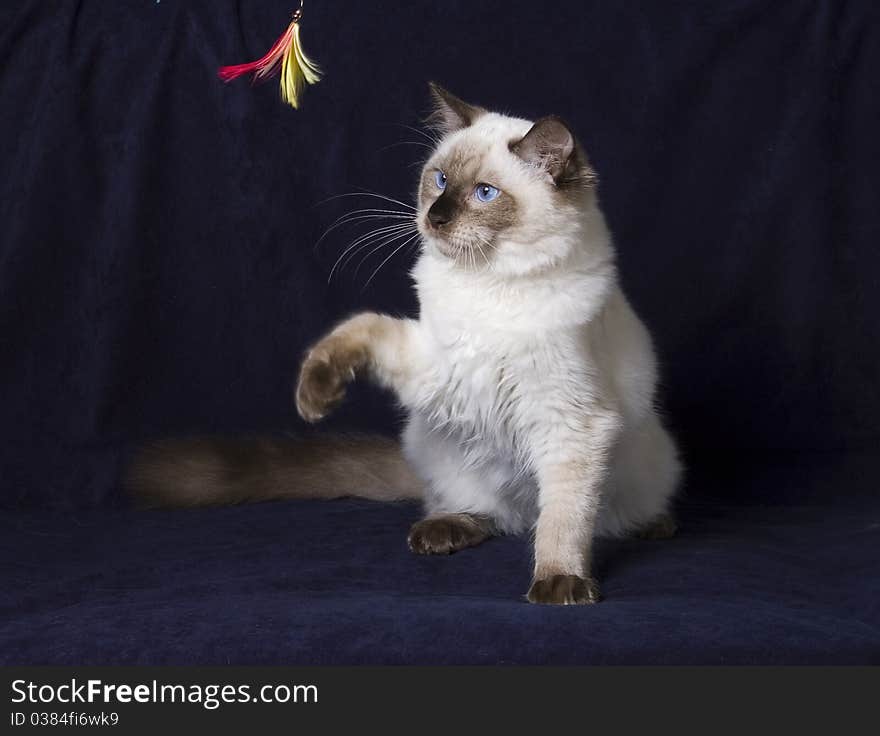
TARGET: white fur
(528,378)
(512,363)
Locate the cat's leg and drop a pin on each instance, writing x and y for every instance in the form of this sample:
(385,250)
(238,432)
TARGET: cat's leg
(570,461)
(377,344)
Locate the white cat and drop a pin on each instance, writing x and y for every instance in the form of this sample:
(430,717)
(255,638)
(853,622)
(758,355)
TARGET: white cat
(528,379)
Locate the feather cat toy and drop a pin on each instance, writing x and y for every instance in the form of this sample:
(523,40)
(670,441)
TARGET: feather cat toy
(287,56)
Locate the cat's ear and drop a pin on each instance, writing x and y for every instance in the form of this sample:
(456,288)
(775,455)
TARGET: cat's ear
(549,145)
(450,113)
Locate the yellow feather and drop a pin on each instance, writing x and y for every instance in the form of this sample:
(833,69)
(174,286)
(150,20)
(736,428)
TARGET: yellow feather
(297,70)
(311,71)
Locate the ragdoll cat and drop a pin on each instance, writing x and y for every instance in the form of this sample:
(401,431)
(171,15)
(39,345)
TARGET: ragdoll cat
(528,379)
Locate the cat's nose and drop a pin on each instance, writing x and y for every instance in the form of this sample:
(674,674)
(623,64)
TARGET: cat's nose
(440,213)
(437,218)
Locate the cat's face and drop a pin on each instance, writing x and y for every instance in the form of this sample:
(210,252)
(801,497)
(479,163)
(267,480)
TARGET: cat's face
(501,193)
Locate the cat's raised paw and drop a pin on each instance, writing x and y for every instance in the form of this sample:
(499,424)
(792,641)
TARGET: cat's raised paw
(564,590)
(443,535)
(322,381)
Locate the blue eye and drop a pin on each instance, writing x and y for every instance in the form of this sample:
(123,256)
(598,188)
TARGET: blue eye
(486,192)
(440,179)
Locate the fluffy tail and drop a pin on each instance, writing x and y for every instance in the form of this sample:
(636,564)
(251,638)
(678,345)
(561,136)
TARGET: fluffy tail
(211,471)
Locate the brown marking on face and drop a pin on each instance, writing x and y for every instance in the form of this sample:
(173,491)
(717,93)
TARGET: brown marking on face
(471,223)
(448,533)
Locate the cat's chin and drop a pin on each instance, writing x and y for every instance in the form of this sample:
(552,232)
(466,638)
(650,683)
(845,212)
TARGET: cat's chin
(443,248)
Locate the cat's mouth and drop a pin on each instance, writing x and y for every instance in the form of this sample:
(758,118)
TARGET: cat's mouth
(433,237)
(456,246)
(451,249)
(446,248)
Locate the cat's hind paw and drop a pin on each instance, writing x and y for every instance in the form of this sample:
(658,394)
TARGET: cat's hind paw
(663,526)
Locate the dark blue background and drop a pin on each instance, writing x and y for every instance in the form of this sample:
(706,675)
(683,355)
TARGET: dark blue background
(158,276)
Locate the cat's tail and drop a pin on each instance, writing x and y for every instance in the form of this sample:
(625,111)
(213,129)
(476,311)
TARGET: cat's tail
(212,471)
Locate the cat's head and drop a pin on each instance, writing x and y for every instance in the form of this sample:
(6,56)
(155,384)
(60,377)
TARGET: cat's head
(500,192)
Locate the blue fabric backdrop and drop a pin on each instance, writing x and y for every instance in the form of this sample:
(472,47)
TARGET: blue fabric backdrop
(158,276)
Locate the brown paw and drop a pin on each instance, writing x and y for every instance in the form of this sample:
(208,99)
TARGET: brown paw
(443,535)
(325,373)
(564,590)
(661,527)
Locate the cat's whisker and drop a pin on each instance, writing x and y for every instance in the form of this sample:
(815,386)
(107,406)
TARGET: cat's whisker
(352,217)
(405,143)
(389,257)
(369,194)
(464,255)
(382,244)
(365,243)
(366,238)
(485,241)
(380,232)
(383,241)
(435,140)
(483,253)
(374,210)
(363,214)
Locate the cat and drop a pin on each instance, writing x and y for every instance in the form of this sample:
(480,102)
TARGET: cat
(528,380)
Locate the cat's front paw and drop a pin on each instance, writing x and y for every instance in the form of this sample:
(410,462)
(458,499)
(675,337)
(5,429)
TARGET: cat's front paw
(564,590)
(325,373)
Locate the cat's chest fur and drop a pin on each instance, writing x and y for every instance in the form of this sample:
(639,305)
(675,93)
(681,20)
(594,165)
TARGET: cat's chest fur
(470,388)
(494,361)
